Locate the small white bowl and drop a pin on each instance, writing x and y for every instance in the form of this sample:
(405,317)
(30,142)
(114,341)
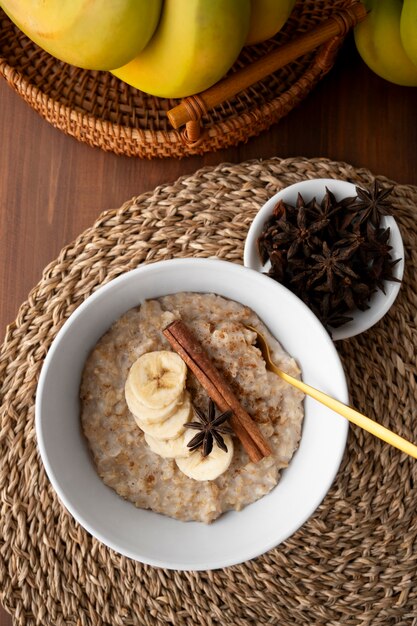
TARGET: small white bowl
(152,538)
(380,303)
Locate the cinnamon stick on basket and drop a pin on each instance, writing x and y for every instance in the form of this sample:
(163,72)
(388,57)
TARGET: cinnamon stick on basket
(197,359)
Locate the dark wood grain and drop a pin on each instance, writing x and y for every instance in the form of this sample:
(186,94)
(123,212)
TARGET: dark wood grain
(5,619)
(52,187)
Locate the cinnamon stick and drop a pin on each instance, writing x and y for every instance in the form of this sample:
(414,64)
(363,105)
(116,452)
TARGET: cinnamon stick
(194,355)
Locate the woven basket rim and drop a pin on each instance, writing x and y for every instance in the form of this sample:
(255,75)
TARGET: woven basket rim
(266,109)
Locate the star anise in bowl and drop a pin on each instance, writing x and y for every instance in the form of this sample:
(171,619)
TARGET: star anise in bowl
(210,428)
(333,254)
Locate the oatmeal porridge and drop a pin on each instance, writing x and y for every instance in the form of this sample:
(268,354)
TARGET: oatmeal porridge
(122,456)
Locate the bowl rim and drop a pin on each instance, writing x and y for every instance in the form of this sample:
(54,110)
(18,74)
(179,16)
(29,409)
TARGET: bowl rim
(364,320)
(79,516)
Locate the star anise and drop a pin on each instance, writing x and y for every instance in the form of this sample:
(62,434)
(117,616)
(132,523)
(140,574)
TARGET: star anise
(353,294)
(376,244)
(331,313)
(330,264)
(280,209)
(371,204)
(278,264)
(302,234)
(210,428)
(332,254)
(324,210)
(382,270)
(353,237)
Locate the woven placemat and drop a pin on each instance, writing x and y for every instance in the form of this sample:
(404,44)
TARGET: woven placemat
(354,562)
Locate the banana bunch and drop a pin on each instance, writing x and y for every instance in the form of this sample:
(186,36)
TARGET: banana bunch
(156,396)
(387,40)
(168,48)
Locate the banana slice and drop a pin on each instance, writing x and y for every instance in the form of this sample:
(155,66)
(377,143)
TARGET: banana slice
(208,467)
(144,413)
(158,378)
(168,448)
(172,427)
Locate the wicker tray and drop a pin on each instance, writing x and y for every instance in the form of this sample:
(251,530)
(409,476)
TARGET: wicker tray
(97,108)
(353,563)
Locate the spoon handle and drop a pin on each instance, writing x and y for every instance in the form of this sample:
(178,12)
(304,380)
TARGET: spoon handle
(353,416)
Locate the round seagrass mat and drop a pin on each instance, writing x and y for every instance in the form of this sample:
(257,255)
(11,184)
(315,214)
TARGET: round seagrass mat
(354,562)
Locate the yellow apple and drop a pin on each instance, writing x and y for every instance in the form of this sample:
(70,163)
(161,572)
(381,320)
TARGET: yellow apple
(94,34)
(195,44)
(267,18)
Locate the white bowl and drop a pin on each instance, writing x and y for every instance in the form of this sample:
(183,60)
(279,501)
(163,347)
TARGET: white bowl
(152,538)
(380,303)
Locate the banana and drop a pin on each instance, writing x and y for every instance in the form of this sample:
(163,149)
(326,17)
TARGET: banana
(408,29)
(155,395)
(195,44)
(168,448)
(200,467)
(145,414)
(267,18)
(157,379)
(94,34)
(379,42)
(170,428)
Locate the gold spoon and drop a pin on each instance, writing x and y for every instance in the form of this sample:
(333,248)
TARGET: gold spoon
(353,416)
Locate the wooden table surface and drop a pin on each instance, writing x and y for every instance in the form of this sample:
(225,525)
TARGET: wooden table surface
(52,187)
